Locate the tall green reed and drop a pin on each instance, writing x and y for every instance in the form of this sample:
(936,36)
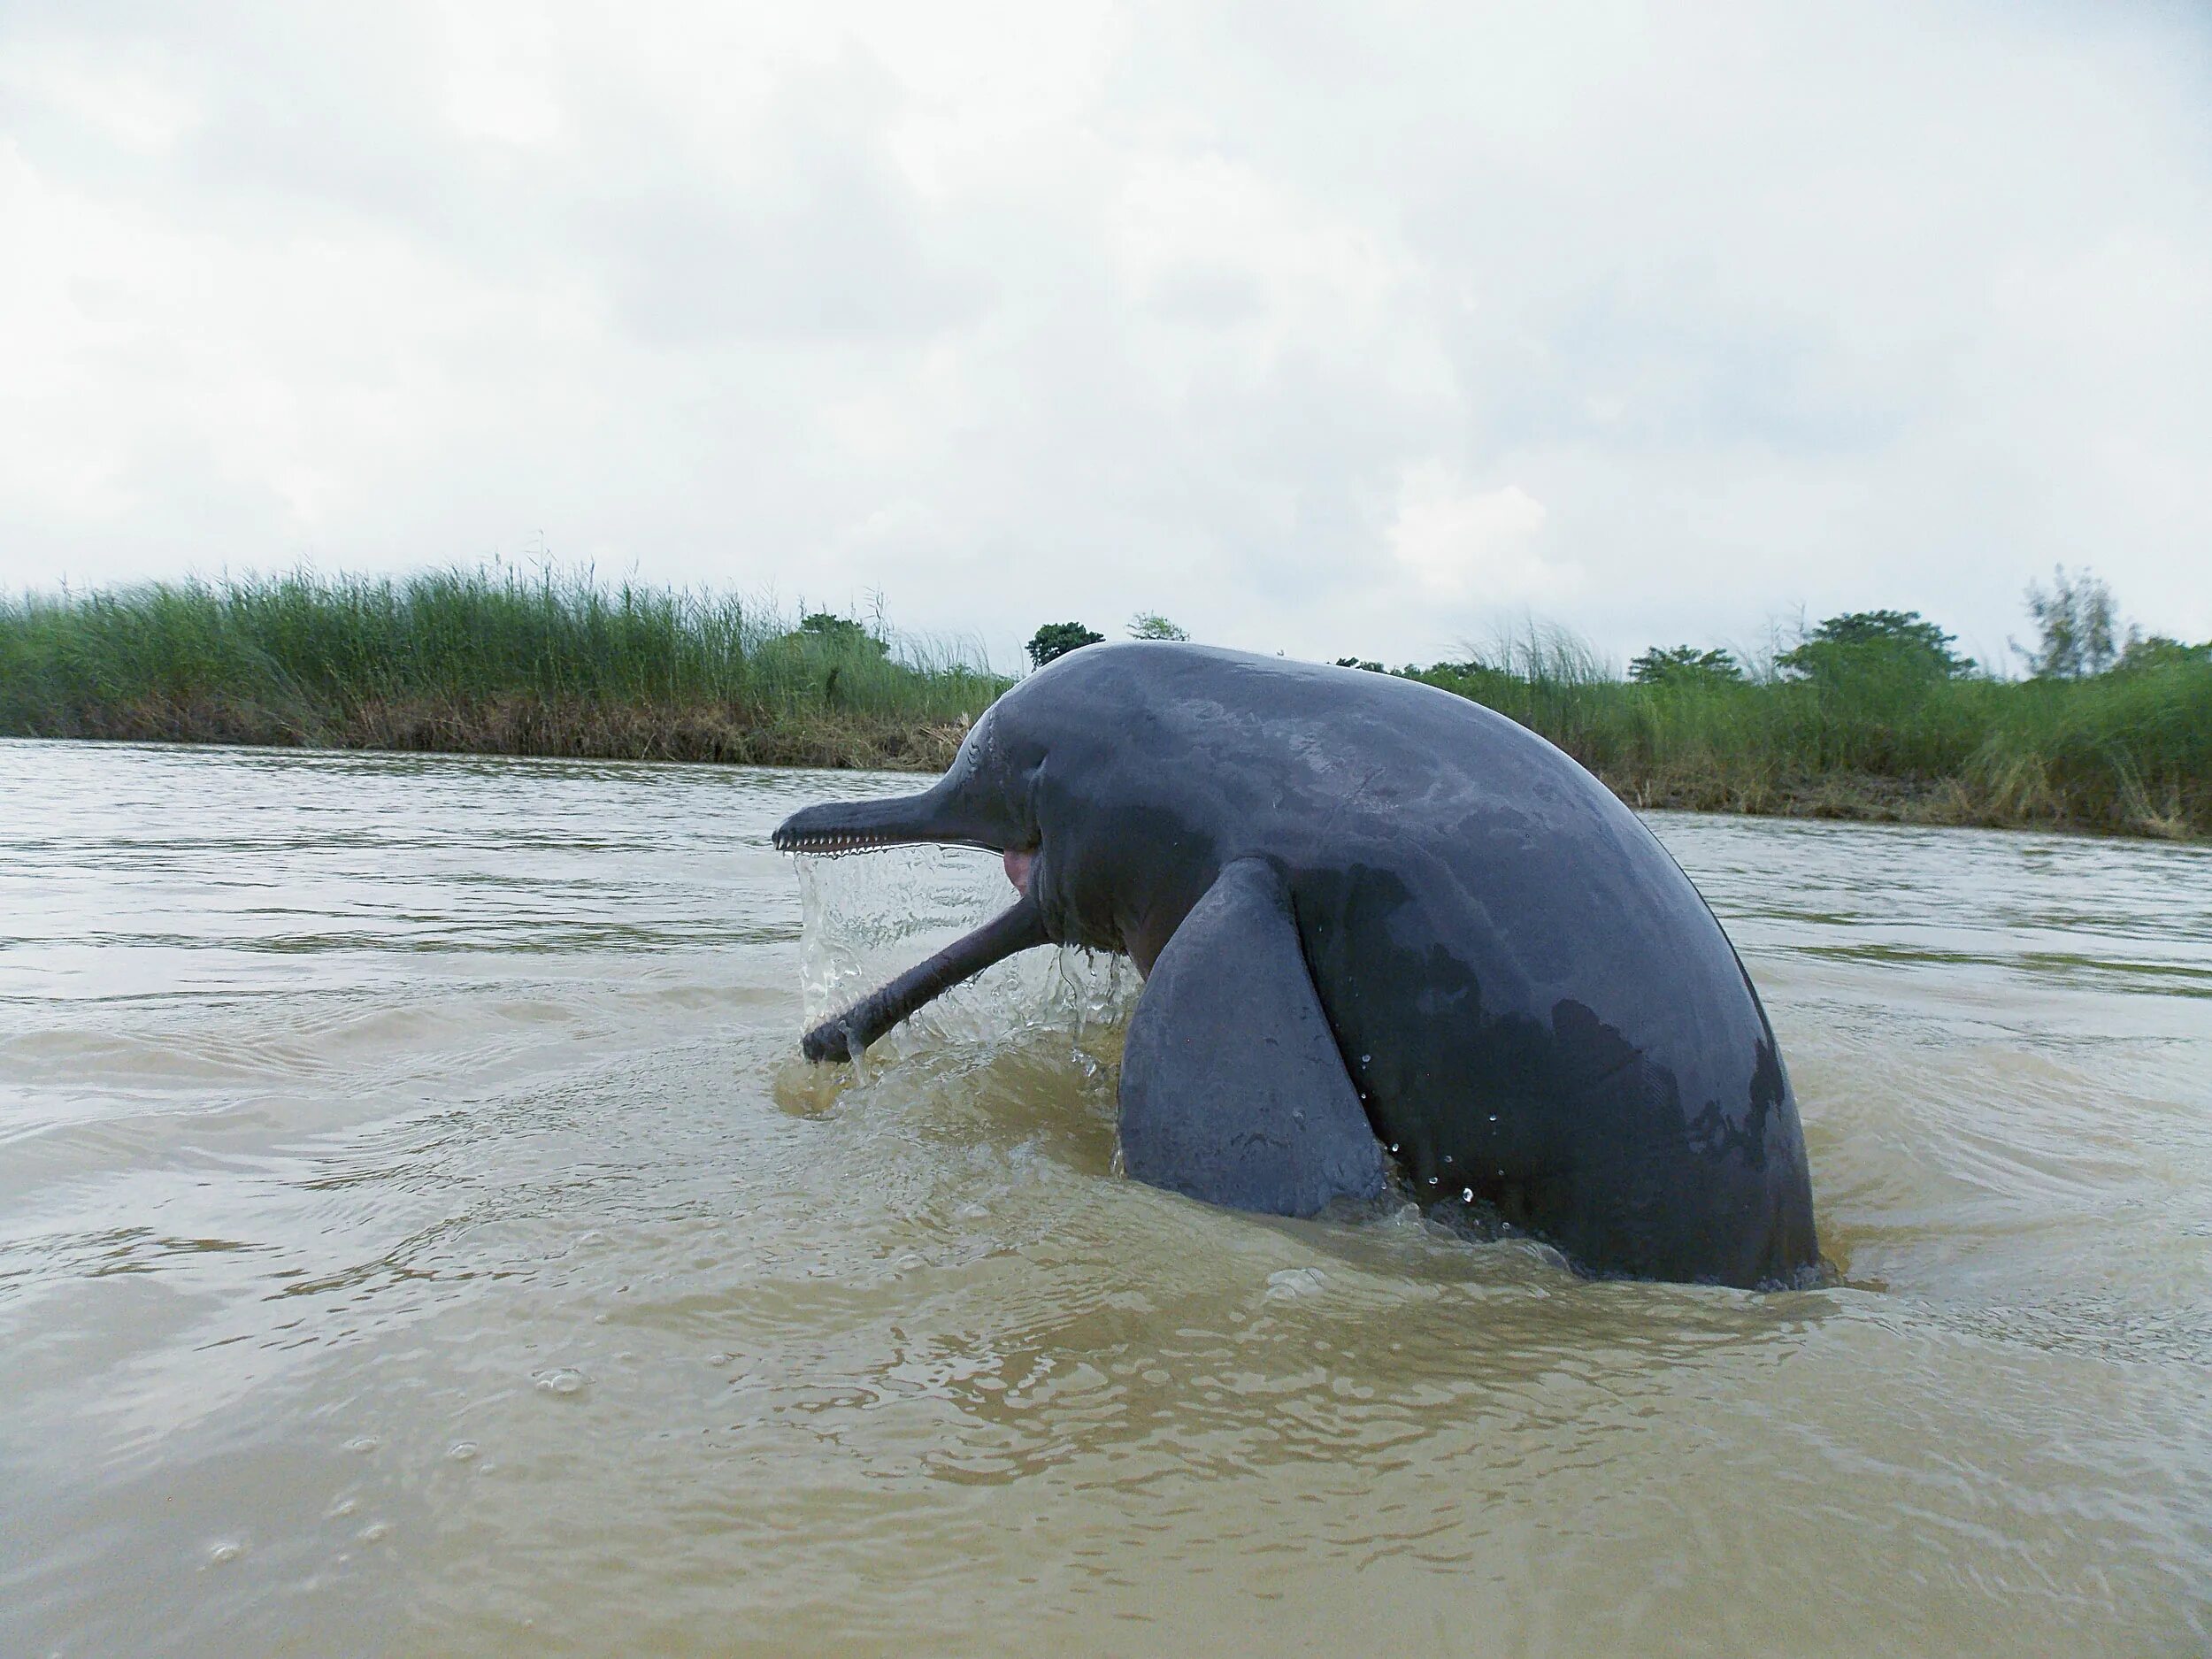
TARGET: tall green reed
(2125,751)
(310,652)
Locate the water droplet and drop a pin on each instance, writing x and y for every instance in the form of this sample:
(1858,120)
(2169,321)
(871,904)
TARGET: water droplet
(1467,1195)
(362,1443)
(1493,1116)
(1393,1145)
(343,1507)
(1364,1058)
(717,1359)
(226,1551)
(1288,1283)
(461,1451)
(1431,1180)
(376,1530)
(564,1379)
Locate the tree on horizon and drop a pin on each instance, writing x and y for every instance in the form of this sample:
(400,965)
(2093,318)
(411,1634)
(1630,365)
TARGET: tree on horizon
(1056,640)
(2075,621)
(1861,641)
(1663,664)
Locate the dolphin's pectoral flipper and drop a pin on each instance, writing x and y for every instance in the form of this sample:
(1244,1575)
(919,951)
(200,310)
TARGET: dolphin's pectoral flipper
(1231,1088)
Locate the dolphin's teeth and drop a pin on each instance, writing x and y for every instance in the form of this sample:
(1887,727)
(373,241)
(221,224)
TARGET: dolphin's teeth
(829,841)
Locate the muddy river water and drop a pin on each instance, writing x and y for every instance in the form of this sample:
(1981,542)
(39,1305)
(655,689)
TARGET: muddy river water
(417,1234)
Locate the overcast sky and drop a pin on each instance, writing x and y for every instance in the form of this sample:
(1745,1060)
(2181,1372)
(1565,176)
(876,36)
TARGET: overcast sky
(1356,328)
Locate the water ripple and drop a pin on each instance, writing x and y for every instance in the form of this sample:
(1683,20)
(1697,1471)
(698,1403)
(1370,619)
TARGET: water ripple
(414,1220)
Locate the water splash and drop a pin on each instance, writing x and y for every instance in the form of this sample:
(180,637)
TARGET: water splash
(868,918)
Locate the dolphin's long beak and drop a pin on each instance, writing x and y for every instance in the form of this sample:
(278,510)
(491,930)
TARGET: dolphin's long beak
(855,826)
(843,826)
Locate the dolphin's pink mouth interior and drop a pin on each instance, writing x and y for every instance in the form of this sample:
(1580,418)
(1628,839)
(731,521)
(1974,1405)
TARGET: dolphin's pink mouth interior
(1018,865)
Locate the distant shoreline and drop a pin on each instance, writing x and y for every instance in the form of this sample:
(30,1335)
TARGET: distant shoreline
(497,662)
(524,728)
(712,737)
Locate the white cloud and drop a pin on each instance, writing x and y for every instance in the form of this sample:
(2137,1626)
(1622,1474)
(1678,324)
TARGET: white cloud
(1458,541)
(1282,320)
(130,104)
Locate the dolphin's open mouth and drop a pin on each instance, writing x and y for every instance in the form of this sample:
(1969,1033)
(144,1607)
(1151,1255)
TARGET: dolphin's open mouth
(867,825)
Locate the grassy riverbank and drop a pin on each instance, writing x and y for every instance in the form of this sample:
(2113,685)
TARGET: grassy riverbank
(499,661)
(2124,753)
(494,661)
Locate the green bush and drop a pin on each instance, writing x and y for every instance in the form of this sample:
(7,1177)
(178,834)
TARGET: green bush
(1683,662)
(1057,639)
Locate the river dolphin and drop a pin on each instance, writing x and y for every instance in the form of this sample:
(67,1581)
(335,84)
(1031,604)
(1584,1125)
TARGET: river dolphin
(1387,935)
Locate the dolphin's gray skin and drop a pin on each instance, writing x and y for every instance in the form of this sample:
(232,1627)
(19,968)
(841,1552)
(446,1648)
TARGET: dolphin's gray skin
(1367,908)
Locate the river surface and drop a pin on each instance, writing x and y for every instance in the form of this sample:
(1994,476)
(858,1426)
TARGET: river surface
(419,1236)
